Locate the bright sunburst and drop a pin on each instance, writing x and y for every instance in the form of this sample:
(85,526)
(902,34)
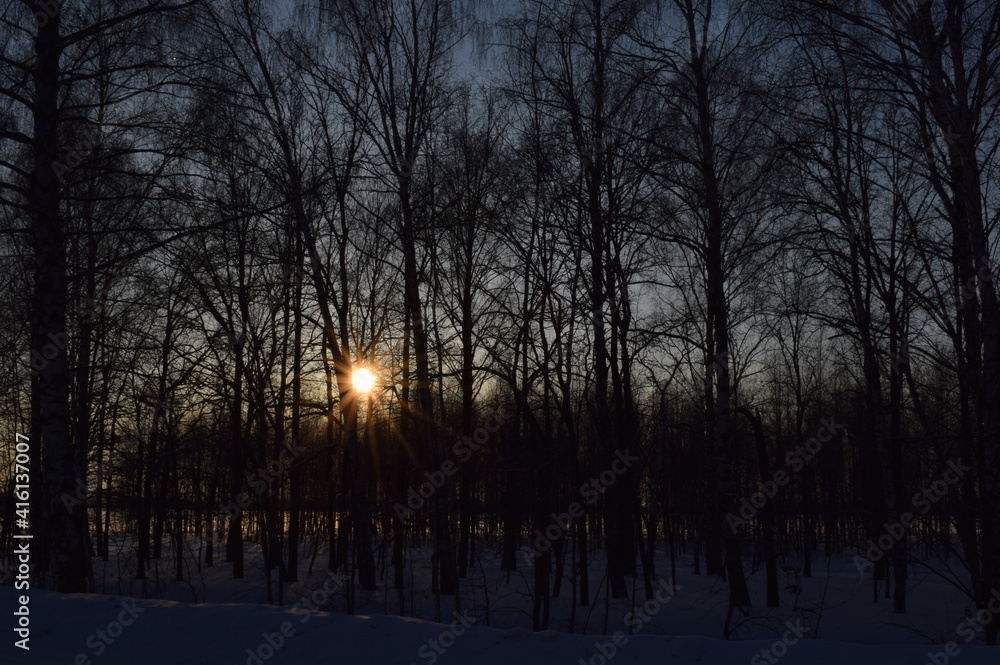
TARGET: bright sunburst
(364,380)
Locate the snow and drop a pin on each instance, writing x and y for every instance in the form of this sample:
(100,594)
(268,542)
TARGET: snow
(683,629)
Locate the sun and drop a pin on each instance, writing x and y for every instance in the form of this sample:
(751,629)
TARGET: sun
(363,380)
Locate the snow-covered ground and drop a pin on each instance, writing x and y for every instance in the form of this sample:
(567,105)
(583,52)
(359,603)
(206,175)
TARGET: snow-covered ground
(832,620)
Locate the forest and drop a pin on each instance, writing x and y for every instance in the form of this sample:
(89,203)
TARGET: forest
(621,286)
